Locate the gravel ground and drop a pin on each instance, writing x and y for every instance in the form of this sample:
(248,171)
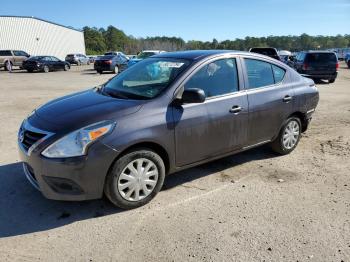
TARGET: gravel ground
(253,206)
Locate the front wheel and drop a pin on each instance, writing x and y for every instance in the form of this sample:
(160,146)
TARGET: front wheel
(331,81)
(288,138)
(66,67)
(135,179)
(46,69)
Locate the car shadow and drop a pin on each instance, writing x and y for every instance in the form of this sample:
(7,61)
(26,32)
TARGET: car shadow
(24,210)
(216,166)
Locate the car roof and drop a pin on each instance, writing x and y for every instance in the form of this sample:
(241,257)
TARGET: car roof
(199,54)
(319,51)
(153,51)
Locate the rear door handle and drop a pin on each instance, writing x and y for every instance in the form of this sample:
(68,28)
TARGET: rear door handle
(235,109)
(287,98)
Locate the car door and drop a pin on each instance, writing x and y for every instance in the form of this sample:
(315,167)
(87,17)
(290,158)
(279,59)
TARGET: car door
(217,126)
(18,58)
(56,63)
(270,99)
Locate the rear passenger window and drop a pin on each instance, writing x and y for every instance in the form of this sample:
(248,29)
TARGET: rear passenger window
(259,73)
(278,73)
(216,78)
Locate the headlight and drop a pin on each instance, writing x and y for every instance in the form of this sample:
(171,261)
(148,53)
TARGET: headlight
(75,143)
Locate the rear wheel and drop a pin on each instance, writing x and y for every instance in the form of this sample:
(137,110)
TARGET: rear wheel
(116,69)
(46,69)
(78,63)
(99,71)
(8,66)
(30,70)
(135,179)
(288,137)
(331,80)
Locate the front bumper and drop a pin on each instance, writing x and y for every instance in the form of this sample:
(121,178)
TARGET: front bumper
(70,179)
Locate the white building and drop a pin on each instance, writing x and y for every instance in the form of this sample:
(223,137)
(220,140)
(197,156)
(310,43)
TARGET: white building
(39,37)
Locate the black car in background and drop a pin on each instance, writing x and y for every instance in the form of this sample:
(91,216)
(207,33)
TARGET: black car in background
(45,64)
(317,65)
(268,51)
(112,63)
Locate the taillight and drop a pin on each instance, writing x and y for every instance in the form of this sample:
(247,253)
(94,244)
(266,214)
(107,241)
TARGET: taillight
(108,62)
(305,66)
(337,65)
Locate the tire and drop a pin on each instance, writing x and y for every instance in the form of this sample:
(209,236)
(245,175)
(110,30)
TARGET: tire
(78,63)
(349,63)
(120,176)
(331,81)
(66,67)
(46,69)
(29,70)
(116,69)
(99,71)
(8,66)
(88,63)
(280,145)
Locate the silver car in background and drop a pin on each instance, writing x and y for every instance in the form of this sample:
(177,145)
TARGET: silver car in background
(77,59)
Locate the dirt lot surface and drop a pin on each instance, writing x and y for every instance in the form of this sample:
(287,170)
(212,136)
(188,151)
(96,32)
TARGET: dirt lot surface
(253,206)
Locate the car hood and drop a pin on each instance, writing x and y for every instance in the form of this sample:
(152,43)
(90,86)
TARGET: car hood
(81,109)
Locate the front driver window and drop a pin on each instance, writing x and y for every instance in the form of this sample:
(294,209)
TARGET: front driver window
(216,78)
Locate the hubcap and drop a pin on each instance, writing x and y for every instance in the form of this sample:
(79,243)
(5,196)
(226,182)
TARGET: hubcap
(291,134)
(138,179)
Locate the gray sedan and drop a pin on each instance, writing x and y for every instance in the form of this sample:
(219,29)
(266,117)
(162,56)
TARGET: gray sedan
(164,114)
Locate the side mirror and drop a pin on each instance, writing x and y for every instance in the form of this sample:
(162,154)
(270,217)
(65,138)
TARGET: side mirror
(193,95)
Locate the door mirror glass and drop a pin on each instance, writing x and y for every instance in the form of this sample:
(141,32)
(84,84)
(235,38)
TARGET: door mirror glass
(193,95)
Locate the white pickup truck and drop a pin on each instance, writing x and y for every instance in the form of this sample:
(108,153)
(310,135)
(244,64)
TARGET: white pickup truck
(10,58)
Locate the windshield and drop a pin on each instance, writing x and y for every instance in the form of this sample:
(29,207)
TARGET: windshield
(36,58)
(144,55)
(146,79)
(321,57)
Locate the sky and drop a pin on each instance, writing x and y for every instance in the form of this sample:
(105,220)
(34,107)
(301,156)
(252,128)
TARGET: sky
(194,19)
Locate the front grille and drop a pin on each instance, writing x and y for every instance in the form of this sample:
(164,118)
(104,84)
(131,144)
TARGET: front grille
(30,138)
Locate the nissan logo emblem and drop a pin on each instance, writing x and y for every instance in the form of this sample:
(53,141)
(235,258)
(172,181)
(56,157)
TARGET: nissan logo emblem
(21,136)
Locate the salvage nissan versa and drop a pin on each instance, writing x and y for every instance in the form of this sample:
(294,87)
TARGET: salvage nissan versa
(166,113)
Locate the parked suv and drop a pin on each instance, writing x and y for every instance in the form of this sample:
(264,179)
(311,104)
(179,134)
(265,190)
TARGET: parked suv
(77,59)
(9,58)
(112,63)
(317,65)
(167,113)
(268,51)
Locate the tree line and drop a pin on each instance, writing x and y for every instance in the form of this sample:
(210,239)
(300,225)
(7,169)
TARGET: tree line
(100,40)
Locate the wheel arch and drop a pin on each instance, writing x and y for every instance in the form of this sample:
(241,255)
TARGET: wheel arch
(160,150)
(303,120)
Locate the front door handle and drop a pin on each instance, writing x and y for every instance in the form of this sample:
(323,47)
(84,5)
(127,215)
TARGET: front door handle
(287,99)
(235,109)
